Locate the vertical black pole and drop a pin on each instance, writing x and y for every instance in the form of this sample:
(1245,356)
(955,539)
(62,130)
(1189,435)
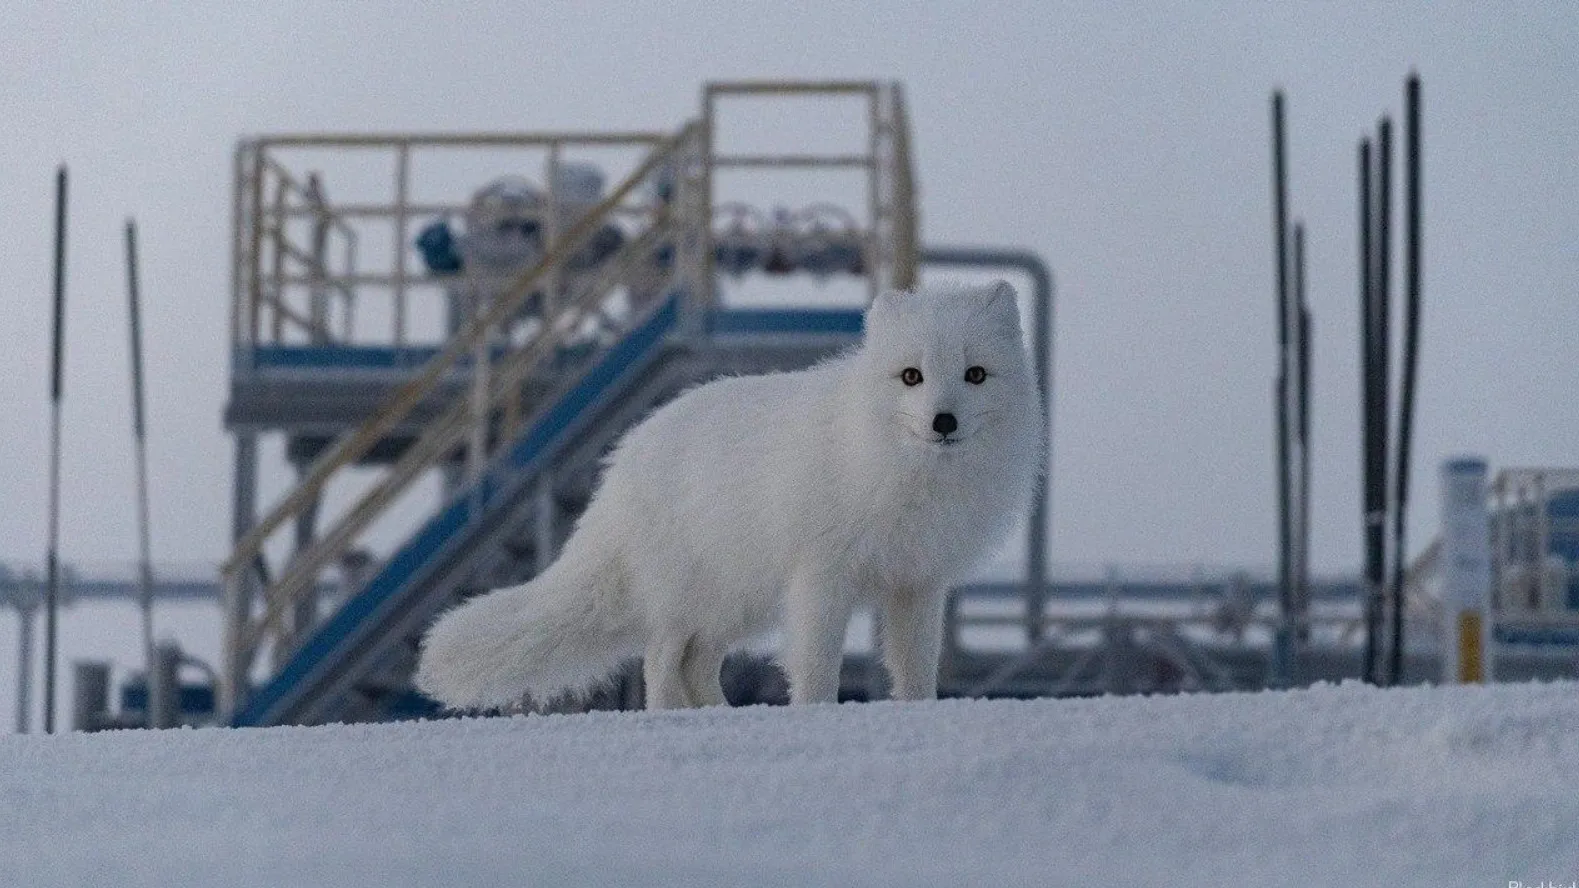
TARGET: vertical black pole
(56,387)
(1381,319)
(1410,354)
(1372,593)
(139,442)
(1280,653)
(1302,576)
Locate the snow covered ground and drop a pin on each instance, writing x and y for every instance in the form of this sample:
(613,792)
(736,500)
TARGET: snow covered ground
(1332,786)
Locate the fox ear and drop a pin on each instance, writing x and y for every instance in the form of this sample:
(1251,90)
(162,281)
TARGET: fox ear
(999,292)
(999,302)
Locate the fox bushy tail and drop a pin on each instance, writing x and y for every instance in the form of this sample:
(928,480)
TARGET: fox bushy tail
(563,631)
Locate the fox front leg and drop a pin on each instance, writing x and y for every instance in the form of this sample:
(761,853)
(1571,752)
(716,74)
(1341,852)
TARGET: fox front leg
(912,636)
(818,611)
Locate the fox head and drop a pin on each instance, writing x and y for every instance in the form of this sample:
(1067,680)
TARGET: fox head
(946,366)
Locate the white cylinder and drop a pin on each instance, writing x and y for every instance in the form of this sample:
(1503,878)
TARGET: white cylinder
(1466,572)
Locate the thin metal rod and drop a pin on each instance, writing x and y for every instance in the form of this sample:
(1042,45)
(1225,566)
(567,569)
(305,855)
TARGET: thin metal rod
(56,393)
(1285,573)
(1409,357)
(1383,244)
(402,195)
(460,140)
(1302,427)
(145,576)
(1042,319)
(1367,415)
(1380,316)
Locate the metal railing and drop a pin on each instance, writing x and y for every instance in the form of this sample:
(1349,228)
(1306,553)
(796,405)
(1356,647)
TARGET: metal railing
(292,246)
(269,251)
(496,390)
(295,282)
(888,232)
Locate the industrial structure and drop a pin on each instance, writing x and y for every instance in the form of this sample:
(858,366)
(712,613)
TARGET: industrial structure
(443,374)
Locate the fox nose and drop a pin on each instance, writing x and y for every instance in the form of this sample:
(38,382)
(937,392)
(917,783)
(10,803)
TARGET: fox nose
(944,423)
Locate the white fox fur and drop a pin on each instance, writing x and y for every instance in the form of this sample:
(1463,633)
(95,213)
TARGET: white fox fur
(786,498)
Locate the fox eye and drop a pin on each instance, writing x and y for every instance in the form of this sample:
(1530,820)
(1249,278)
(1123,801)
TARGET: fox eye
(910,376)
(976,375)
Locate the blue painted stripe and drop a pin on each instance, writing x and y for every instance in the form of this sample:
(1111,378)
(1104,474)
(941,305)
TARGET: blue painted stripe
(724,322)
(439,532)
(744,321)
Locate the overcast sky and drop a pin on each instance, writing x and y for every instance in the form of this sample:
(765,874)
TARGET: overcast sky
(1127,144)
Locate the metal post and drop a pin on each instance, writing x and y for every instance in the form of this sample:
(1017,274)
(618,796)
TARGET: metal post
(544,525)
(1301,627)
(304,612)
(24,669)
(254,260)
(242,581)
(477,440)
(318,271)
(56,394)
(702,301)
(90,694)
(402,177)
(1367,415)
(874,263)
(145,579)
(1280,643)
(1381,248)
(1042,321)
(164,687)
(1410,356)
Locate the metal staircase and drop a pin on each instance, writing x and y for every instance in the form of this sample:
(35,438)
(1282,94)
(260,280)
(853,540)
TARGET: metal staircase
(545,368)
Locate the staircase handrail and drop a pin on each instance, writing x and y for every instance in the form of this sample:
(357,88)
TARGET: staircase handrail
(357,443)
(441,435)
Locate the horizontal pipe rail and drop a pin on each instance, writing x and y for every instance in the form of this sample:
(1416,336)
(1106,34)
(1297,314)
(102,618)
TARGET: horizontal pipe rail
(794,160)
(790,87)
(461,140)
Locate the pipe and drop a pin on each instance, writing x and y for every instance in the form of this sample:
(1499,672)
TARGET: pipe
(1042,294)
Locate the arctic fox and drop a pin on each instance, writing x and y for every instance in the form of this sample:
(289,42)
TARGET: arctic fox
(880,477)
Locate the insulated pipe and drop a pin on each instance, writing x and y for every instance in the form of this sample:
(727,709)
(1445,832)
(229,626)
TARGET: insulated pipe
(1042,319)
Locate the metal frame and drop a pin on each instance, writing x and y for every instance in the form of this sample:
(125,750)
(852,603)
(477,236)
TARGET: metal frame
(272,268)
(495,383)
